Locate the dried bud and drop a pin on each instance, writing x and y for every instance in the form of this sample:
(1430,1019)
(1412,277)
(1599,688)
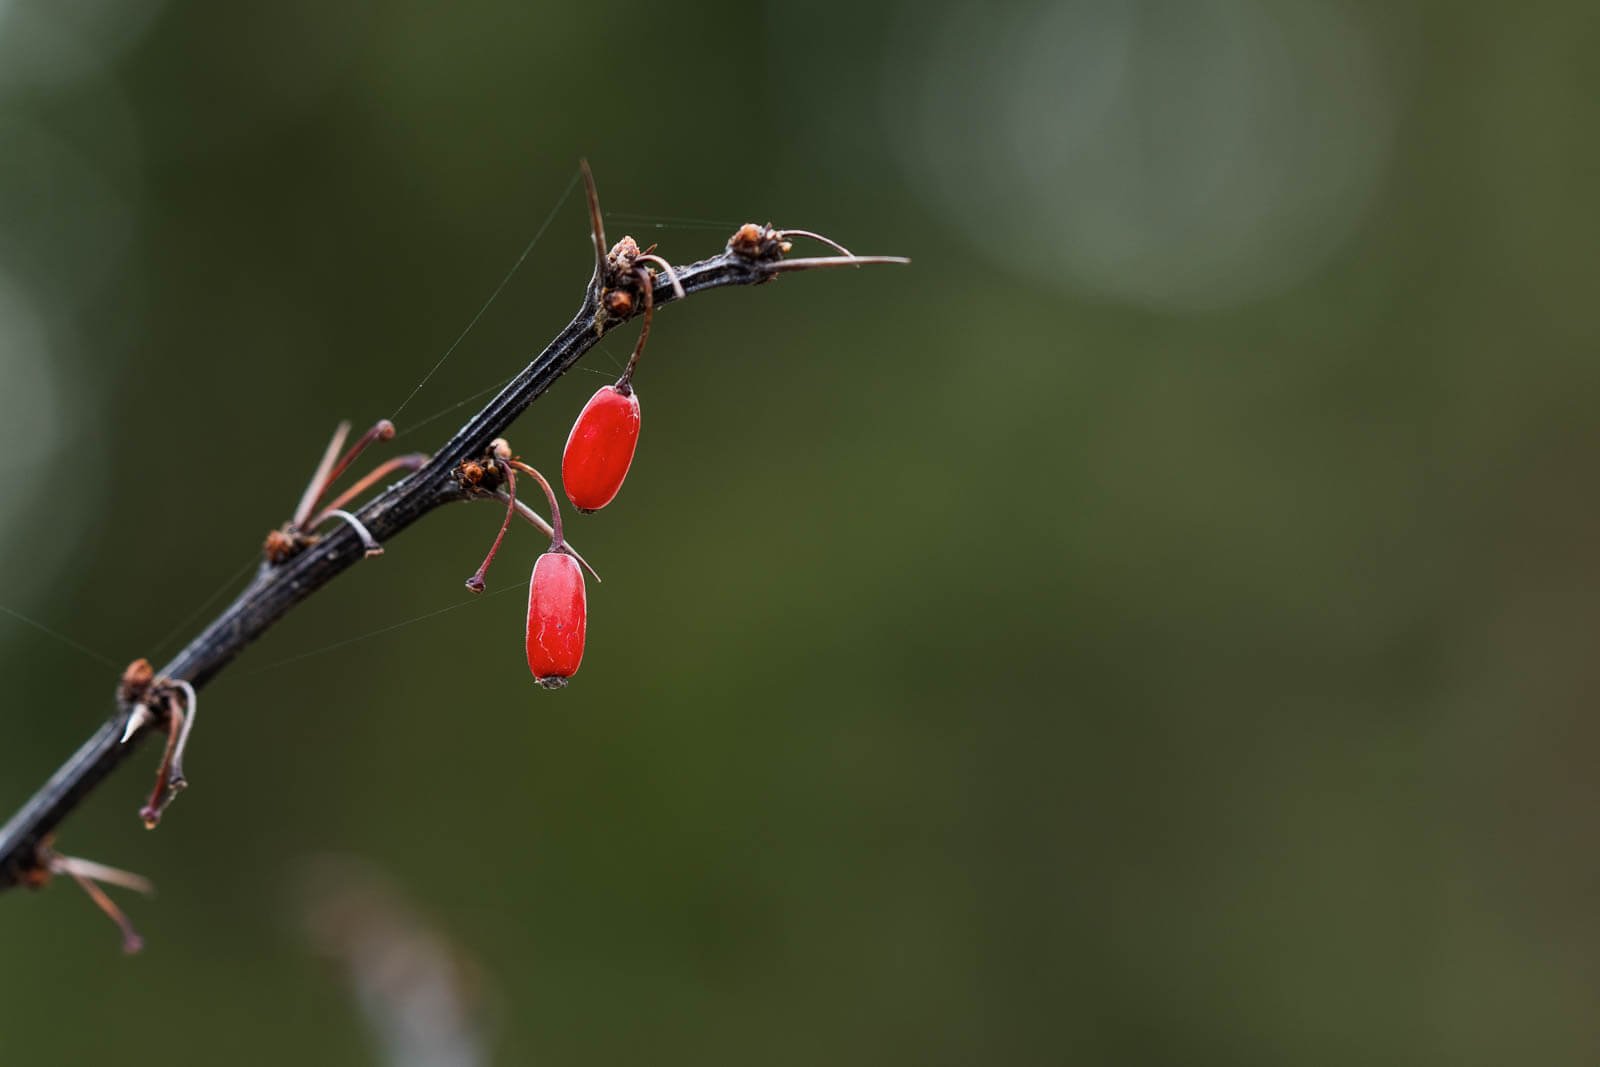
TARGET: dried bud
(747,240)
(619,302)
(471,473)
(279,546)
(623,253)
(135,681)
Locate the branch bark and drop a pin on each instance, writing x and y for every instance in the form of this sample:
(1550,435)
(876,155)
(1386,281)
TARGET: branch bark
(278,588)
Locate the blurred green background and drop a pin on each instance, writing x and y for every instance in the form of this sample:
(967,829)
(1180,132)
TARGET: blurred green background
(1156,627)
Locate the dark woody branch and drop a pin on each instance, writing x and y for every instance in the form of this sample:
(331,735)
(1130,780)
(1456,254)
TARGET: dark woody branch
(753,255)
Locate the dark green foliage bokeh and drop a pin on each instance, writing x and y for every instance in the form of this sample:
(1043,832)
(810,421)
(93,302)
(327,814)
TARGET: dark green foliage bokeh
(988,669)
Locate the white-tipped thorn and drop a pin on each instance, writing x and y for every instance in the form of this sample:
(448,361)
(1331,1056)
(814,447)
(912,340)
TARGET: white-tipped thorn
(368,542)
(138,719)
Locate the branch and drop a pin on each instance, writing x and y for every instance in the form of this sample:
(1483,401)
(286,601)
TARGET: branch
(754,255)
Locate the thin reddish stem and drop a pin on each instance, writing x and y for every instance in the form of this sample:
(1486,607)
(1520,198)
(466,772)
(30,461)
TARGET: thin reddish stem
(131,941)
(476,582)
(99,872)
(382,430)
(672,275)
(829,241)
(647,282)
(161,795)
(191,706)
(319,477)
(327,473)
(556,540)
(412,461)
(538,522)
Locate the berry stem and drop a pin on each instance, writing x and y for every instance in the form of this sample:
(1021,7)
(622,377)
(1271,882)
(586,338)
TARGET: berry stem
(476,582)
(537,521)
(647,283)
(556,540)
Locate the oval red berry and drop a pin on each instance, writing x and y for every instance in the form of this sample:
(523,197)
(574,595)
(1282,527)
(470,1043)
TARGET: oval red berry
(558,610)
(600,448)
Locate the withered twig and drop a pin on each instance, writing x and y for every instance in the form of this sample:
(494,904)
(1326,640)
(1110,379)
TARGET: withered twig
(753,255)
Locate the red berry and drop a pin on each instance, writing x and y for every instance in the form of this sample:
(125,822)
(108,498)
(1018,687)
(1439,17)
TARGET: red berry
(600,448)
(557,618)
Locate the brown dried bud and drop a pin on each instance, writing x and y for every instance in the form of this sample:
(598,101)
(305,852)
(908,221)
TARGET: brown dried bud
(619,302)
(471,473)
(278,547)
(746,241)
(758,242)
(622,254)
(35,877)
(135,681)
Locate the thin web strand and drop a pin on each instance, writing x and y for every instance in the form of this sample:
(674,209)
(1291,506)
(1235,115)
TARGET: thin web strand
(227,583)
(496,387)
(666,221)
(413,427)
(492,297)
(347,642)
(63,638)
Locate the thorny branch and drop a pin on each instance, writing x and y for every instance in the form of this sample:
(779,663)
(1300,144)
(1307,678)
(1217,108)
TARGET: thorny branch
(754,254)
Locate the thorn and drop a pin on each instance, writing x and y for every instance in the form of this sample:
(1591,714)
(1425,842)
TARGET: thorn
(830,261)
(138,719)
